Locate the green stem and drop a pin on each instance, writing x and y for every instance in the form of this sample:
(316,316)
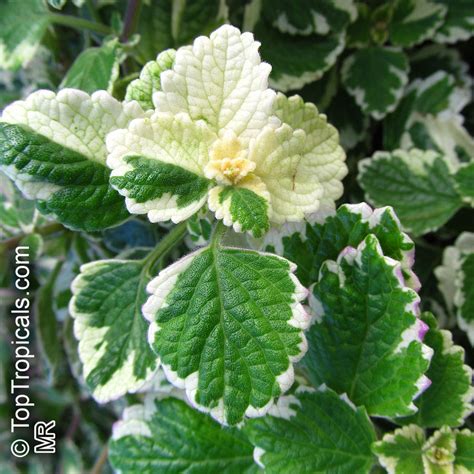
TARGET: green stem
(167,243)
(79,23)
(217,233)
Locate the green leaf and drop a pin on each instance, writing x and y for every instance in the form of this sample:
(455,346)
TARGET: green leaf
(35,245)
(199,228)
(435,94)
(47,326)
(106,306)
(21,29)
(299,61)
(358,298)
(447,401)
(313,431)
(242,208)
(376,77)
(426,61)
(9,221)
(319,242)
(426,117)
(142,89)
(407,451)
(453,282)
(94,69)
(459,22)
(414,21)
(169,436)
(464,182)
(53,148)
(350,122)
(464,297)
(358,32)
(146,181)
(227,325)
(464,452)
(167,24)
(417,184)
(308,16)
(67,185)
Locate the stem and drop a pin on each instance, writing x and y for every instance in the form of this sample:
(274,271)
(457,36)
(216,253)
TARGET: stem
(79,23)
(44,231)
(170,240)
(131,19)
(101,460)
(218,232)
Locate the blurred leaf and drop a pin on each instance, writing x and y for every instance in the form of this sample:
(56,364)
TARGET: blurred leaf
(22,25)
(94,69)
(47,327)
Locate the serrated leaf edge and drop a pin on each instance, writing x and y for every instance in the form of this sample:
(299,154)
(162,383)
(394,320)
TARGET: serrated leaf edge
(161,286)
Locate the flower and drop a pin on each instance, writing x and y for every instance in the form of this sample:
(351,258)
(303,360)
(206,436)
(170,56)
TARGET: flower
(220,136)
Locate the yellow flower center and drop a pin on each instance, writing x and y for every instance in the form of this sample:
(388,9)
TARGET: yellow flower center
(227,163)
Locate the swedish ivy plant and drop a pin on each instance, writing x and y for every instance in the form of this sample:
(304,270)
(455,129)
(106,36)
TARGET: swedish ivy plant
(249,234)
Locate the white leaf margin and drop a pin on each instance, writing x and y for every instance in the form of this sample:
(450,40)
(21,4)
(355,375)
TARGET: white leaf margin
(123,380)
(160,288)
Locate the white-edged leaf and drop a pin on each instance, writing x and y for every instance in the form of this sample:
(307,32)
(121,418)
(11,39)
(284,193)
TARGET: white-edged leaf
(406,450)
(451,280)
(313,431)
(447,401)
(228,325)
(21,29)
(309,245)
(94,69)
(297,61)
(459,21)
(357,298)
(435,57)
(446,135)
(242,208)
(307,17)
(376,77)
(166,24)
(53,148)
(143,88)
(464,178)
(158,165)
(106,307)
(464,462)
(417,184)
(414,21)
(464,297)
(170,436)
